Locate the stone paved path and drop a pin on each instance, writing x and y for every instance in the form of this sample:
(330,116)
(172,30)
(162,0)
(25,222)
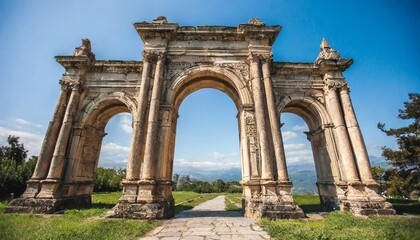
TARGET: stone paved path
(208,220)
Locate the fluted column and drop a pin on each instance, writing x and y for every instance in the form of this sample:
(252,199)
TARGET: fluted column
(152,126)
(57,162)
(47,149)
(356,137)
(260,115)
(134,159)
(274,122)
(343,142)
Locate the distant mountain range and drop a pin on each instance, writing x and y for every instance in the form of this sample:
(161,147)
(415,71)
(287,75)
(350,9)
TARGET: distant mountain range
(303,176)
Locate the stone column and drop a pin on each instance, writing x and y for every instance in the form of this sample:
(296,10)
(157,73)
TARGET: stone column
(47,149)
(57,162)
(274,122)
(344,147)
(152,126)
(260,115)
(134,159)
(356,137)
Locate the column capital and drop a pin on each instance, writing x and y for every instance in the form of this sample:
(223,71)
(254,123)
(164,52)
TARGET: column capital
(153,55)
(266,57)
(75,86)
(64,84)
(332,85)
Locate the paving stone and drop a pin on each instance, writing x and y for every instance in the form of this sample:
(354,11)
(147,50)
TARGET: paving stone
(208,221)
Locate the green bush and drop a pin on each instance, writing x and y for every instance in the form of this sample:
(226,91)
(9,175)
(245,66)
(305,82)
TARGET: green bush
(15,170)
(108,179)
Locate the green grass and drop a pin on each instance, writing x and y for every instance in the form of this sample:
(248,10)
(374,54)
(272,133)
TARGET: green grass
(342,225)
(308,203)
(232,201)
(405,206)
(184,196)
(74,224)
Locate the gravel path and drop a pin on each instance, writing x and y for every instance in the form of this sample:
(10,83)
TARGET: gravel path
(208,220)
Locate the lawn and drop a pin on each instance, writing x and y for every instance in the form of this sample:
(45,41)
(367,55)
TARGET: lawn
(90,224)
(87,223)
(74,224)
(233,202)
(341,225)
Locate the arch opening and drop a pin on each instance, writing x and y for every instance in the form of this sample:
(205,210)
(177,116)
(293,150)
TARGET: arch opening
(95,144)
(319,169)
(215,129)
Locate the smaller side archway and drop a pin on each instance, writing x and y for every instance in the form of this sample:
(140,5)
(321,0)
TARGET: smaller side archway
(321,139)
(85,148)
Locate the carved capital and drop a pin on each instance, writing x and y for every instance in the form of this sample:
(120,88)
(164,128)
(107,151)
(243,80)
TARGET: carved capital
(266,58)
(254,58)
(75,86)
(260,57)
(333,85)
(64,85)
(152,55)
(345,88)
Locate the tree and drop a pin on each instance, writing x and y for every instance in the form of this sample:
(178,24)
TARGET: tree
(14,169)
(403,176)
(15,151)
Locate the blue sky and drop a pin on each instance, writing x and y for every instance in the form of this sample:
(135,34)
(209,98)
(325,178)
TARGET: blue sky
(381,36)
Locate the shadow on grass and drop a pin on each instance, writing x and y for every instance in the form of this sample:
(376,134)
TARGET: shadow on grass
(102,205)
(311,208)
(405,206)
(181,208)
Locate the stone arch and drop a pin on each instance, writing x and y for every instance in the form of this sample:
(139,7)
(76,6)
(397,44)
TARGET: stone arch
(87,142)
(199,77)
(108,101)
(320,135)
(192,80)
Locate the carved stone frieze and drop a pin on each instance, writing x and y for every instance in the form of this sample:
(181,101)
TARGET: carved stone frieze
(176,68)
(122,67)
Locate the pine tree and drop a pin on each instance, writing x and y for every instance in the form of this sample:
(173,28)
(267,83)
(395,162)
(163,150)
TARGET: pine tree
(404,175)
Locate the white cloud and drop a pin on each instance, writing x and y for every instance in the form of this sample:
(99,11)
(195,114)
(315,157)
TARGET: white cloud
(298,153)
(209,162)
(291,147)
(20,123)
(302,127)
(208,165)
(113,155)
(287,135)
(220,156)
(126,123)
(32,140)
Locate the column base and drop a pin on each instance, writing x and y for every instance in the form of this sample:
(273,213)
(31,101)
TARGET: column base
(32,188)
(363,200)
(269,199)
(47,206)
(155,210)
(145,199)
